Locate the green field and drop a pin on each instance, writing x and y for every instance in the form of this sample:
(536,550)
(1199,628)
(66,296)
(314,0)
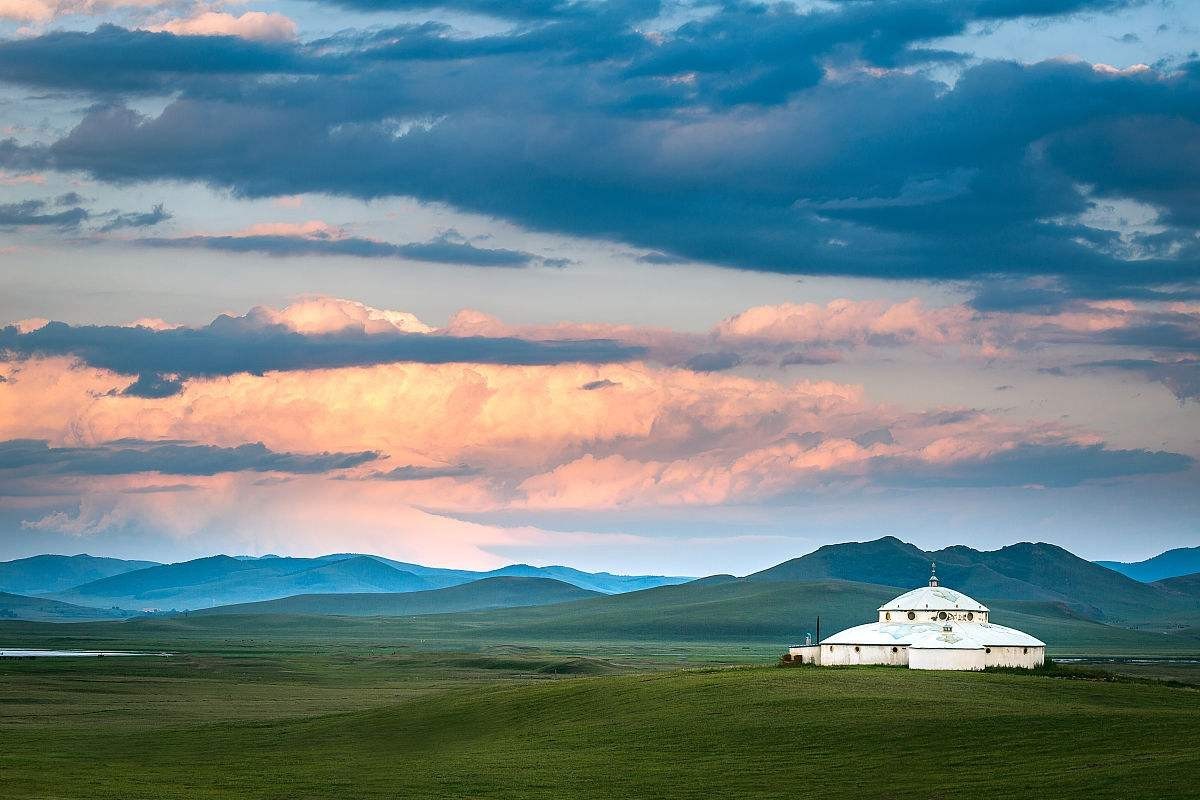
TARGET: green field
(303,707)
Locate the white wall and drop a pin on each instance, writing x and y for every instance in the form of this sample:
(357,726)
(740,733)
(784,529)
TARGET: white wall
(810,654)
(934,616)
(1028,657)
(934,658)
(833,655)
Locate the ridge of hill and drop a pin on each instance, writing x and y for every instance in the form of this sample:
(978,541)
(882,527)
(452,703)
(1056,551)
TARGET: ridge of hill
(1026,571)
(486,593)
(1170,564)
(52,573)
(221,580)
(43,609)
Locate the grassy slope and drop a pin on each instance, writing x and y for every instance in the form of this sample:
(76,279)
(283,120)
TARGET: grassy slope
(15,606)
(764,617)
(487,593)
(764,732)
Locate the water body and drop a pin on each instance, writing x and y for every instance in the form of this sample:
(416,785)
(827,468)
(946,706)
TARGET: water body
(69,653)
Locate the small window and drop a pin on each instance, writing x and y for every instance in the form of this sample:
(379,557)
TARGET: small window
(970,616)
(942,615)
(912,615)
(895,650)
(856,648)
(831,648)
(987,650)
(1025,650)
(888,616)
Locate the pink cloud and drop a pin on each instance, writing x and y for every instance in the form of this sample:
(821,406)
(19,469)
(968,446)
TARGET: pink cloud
(257,25)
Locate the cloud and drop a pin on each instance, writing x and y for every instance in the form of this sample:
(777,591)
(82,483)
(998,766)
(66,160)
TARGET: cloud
(256,25)
(775,139)
(23,458)
(262,342)
(411,472)
(113,59)
(1181,376)
(144,219)
(321,239)
(1048,465)
(35,212)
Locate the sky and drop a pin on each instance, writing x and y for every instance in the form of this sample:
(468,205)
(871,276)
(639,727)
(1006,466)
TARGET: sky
(636,285)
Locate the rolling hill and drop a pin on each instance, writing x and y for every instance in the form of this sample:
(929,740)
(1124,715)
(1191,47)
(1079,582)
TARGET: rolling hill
(1171,564)
(740,611)
(487,593)
(605,582)
(45,574)
(222,580)
(1025,571)
(42,609)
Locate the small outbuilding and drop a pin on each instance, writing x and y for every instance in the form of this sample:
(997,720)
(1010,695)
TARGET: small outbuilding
(932,627)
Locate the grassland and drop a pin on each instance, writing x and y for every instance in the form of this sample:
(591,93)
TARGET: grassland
(526,725)
(303,707)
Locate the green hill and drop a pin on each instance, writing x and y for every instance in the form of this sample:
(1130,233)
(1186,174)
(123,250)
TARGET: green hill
(43,609)
(1025,571)
(748,733)
(502,592)
(774,612)
(1184,584)
(45,574)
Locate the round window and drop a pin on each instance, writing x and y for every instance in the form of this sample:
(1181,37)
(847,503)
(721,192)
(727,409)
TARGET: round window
(987,650)
(970,616)
(912,615)
(856,648)
(942,615)
(895,650)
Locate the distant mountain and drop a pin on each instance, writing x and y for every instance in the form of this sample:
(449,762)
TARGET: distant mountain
(605,582)
(1171,564)
(221,580)
(498,592)
(1025,571)
(42,609)
(43,574)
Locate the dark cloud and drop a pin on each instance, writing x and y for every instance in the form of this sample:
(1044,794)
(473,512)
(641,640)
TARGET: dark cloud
(162,360)
(603,383)
(112,60)
(445,249)
(34,212)
(1182,377)
(414,473)
(135,219)
(35,457)
(713,362)
(750,136)
(1048,465)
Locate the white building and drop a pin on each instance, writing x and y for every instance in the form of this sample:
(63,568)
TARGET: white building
(928,628)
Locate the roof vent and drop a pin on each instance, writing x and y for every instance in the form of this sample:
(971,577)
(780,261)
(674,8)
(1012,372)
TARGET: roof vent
(933,579)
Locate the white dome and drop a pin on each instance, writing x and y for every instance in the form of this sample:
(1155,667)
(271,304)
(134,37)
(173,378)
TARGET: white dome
(948,638)
(933,598)
(926,634)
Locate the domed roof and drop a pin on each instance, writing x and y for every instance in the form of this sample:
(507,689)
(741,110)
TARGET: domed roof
(946,638)
(933,598)
(985,634)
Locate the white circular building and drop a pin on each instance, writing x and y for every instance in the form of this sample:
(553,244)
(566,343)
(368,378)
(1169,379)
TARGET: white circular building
(928,628)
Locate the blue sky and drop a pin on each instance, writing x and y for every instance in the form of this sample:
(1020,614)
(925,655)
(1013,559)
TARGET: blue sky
(681,287)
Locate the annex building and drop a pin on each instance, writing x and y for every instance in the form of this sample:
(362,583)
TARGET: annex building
(932,627)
